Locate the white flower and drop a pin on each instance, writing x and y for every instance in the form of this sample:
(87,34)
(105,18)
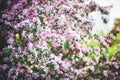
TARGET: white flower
(30,46)
(105,73)
(92,68)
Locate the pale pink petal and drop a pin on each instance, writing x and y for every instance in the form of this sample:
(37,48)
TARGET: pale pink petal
(30,46)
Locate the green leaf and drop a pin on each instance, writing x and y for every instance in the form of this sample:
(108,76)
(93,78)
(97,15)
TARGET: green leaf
(39,11)
(49,43)
(54,51)
(51,65)
(93,43)
(66,45)
(64,57)
(41,20)
(78,60)
(21,61)
(69,58)
(35,69)
(30,52)
(89,55)
(28,63)
(41,71)
(34,30)
(114,32)
(111,50)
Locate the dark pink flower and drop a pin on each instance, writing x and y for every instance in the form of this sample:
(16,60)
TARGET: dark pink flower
(118,71)
(25,51)
(64,52)
(30,13)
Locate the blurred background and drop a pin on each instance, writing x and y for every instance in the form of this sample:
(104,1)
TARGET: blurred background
(114,12)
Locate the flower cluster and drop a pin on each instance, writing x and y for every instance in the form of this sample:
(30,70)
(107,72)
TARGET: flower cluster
(52,40)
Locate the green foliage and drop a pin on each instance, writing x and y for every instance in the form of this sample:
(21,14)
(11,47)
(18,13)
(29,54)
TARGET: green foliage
(117,21)
(67,57)
(30,52)
(49,43)
(55,78)
(35,69)
(40,53)
(114,47)
(56,50)
(34,30)
(78,61)
(41,71)
(114,32)
(93,43)
(89,55)
(66,45)
(100,32)
(39,11)
(41,20)
(22,61)
(111,51)
(51,66)
(102,58)
(7,52)
(28,63)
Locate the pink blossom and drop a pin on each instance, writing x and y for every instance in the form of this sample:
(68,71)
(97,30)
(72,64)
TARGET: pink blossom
(30,45)
(10,33)
(30,37)
(54,44)
(62,68)
(63,20)
(30,13)
(23,33)
(4,66)
(64,52)
(71,12)
(35,53)
(35,2)
(25,51)
(10,40)
(62,1)
(60,31)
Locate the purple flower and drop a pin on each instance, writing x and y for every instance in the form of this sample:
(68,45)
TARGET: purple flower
(8,15)
(62,68)
(35,75)
(30,13)
(4,66)
(10,40)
